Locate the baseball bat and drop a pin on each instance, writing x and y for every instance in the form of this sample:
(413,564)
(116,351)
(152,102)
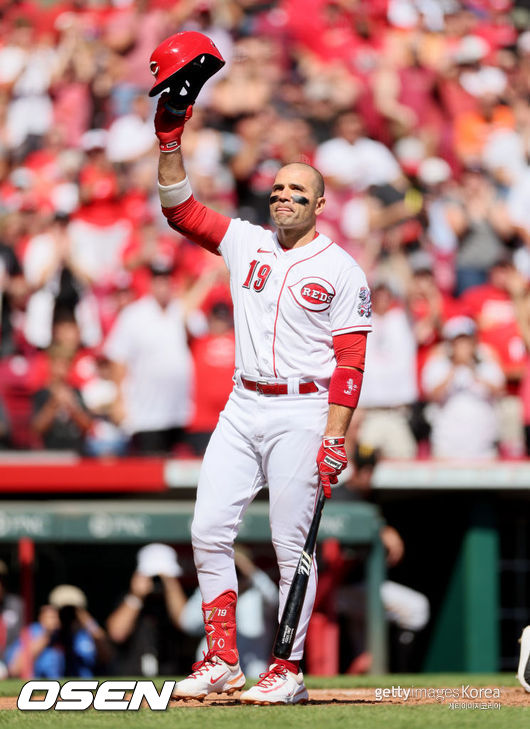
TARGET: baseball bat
(293,607)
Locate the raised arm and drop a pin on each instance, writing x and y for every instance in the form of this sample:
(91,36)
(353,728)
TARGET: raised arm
(168,129)
(185,214)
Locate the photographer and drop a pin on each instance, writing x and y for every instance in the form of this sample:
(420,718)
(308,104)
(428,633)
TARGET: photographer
(463,382)
(65,640)
(144,626)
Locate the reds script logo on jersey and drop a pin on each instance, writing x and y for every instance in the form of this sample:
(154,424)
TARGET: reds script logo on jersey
(313,293)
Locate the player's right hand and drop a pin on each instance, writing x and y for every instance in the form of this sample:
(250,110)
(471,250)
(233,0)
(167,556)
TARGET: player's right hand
(331,461)
(169,123)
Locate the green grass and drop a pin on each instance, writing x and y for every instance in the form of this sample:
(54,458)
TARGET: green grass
(286,717)
(330,716)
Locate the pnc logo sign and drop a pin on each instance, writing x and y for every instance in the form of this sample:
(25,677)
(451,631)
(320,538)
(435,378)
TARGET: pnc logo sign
(313,293)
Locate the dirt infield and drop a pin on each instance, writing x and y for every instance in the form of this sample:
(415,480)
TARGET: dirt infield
(509,696)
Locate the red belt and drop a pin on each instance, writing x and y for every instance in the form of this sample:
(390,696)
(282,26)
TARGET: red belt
(277,388)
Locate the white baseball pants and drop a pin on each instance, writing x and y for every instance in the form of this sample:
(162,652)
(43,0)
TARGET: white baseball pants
(259,439)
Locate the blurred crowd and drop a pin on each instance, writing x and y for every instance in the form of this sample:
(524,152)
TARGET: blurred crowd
(154,628)
(151,622)
(116,334)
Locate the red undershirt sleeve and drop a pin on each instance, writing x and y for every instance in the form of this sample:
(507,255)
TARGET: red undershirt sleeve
(346,380)
(200,224)
(350,349)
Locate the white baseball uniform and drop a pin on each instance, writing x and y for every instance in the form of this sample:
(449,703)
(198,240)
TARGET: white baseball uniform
(288,305)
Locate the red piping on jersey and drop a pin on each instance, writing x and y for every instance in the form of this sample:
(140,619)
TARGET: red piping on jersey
(279,297)
(366,327)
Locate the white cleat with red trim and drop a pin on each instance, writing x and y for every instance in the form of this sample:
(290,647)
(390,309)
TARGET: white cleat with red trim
(212,675)
(277,686)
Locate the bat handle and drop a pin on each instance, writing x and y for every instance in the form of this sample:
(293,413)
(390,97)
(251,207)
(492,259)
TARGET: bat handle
(321,500)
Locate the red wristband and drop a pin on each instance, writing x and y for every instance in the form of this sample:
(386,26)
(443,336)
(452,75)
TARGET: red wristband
(345,387)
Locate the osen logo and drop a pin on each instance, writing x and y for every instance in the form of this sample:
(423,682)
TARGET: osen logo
(313,293)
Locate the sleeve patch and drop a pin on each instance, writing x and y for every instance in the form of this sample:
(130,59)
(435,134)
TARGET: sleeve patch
(364,307)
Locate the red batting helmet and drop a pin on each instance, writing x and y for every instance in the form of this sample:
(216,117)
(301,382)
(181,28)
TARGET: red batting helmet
(183,63)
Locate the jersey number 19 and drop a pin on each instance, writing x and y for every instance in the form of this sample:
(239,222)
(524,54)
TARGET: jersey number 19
(261,276)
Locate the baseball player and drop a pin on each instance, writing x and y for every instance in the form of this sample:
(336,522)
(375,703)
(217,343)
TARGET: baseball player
(301,312)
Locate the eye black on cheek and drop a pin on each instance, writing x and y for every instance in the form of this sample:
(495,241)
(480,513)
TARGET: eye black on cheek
(300,199)
(273,199)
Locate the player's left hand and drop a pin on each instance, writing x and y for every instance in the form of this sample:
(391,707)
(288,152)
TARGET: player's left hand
(169,123)
(331,460)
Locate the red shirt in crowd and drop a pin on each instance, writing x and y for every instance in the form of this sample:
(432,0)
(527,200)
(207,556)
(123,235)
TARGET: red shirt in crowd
(420,309)
(213,359)
(493,310)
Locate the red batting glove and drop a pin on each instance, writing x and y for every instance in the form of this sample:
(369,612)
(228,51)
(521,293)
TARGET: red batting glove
(169,124)
(331,460)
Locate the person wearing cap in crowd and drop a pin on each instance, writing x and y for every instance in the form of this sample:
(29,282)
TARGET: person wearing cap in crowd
(11,618)
(143,626)
(493,309)
(463,382)
(64,641)
(428,308)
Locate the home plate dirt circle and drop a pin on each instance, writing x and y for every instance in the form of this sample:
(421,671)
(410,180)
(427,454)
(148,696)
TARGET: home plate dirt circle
(510,696)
